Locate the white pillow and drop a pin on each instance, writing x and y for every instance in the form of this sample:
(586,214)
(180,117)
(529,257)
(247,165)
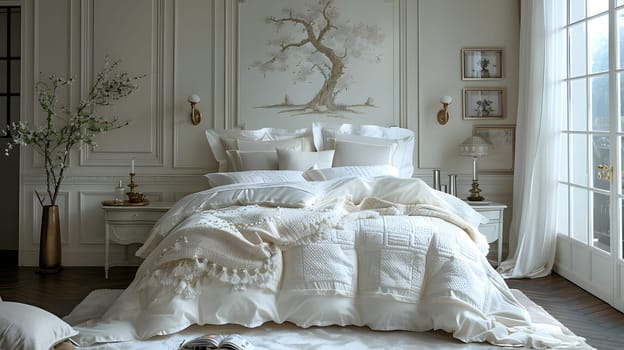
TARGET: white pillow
(271,145)
(28,327)
(254,176)
(325,135)
(349,153)
(252,160)
(222,140)
(361,171)
(300,160)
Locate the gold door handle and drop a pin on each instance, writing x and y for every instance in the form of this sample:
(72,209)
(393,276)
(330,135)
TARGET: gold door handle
(604,172)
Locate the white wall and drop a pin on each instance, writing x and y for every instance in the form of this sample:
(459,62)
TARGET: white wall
(190,46)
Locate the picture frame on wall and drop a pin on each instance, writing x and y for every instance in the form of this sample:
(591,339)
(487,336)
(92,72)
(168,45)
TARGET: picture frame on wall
(501,153)
(483,103)
(482,64)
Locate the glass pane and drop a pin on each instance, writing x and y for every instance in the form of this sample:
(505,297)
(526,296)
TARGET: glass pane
(600,102)
(3,113)
(578,159)
(15,32)
(15,76)
(562,210)
(602,220)
(620,38)
(3,32)
(596,6)
(14,109)
(3,77)
(619,3)
(620,97)
(578,105)
(577,10)
(619,210)
(601,162)
(621,173)
(578,51)
(598,36)
(563,156)
(579,206)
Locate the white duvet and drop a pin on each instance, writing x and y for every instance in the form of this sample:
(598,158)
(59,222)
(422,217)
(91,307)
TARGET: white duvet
(387,253)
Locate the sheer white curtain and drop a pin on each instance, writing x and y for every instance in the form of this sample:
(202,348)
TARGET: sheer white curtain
(540,109)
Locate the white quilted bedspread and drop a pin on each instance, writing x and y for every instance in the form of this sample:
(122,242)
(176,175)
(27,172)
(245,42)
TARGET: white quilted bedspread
(386,253)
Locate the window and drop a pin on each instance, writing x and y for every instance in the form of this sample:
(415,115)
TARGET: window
(10,43)
(590,193)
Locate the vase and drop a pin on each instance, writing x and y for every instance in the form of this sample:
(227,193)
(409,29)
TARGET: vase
(50,241)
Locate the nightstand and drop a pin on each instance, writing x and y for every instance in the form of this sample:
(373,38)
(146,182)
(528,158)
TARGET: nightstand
(129,224)
(493,230)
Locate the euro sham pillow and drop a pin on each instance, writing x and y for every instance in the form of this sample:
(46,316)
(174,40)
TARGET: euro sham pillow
(345,171)
(222,140)
(288,159)
(27,327)
(254,176)
(325,135)
(252,160)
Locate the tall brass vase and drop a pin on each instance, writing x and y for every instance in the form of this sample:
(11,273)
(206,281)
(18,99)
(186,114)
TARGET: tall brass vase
(50,241)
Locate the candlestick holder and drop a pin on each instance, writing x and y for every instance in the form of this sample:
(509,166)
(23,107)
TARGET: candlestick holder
(134,197)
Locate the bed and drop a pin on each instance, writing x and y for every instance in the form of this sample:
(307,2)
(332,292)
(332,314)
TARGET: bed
(321,226)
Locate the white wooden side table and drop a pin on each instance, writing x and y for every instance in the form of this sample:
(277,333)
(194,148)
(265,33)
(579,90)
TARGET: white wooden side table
(493,230)
(129,224)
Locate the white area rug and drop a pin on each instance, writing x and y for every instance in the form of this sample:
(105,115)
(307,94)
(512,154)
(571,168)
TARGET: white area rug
(273,336)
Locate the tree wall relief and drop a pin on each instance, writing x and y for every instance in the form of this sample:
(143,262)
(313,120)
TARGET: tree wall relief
(318,41)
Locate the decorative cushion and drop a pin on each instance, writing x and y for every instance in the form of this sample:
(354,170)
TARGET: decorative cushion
(300,160)
(254,176)
(357,154)
(362,171)
(27,327)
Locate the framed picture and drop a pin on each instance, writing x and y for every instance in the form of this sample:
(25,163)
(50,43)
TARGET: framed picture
(483,103)
(482,64)
(501,153)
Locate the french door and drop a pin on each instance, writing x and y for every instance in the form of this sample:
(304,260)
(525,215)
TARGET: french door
(590,186)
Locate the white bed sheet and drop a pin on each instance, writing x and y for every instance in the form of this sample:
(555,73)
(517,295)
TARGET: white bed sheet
(271,336)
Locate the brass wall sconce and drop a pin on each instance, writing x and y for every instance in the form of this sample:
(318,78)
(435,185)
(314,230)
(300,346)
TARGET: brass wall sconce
(443,115)
(195,113)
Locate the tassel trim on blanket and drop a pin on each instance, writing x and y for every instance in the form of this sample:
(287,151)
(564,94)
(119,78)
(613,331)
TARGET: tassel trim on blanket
(185,276)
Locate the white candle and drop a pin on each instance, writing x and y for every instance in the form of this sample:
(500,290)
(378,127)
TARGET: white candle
(132,166)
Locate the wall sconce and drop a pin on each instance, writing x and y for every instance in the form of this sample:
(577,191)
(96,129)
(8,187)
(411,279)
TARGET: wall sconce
(443,116)
(195,113)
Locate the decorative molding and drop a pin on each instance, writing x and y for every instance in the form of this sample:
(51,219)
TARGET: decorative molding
(401,75)
(232,64)
(172,180)
(176,97)
(157,101)
(83,214)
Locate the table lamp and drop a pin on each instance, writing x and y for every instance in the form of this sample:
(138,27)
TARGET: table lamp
(475,147)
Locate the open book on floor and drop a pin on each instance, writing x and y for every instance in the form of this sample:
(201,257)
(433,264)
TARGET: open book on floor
(218,341)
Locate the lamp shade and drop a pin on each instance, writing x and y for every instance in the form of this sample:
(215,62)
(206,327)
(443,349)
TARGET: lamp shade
(446,99)
(194,99)
(474,146)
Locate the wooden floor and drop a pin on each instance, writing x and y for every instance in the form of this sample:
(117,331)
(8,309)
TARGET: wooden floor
(585,315)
